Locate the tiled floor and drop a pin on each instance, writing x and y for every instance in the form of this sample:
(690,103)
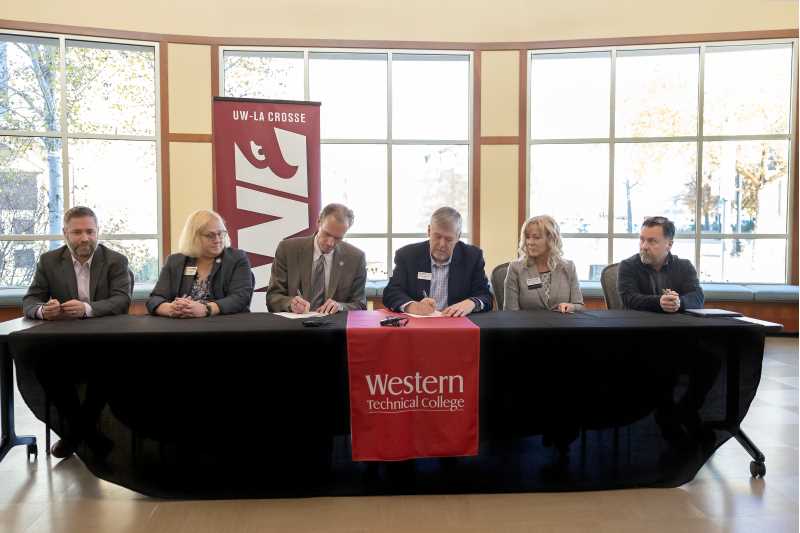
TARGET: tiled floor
(62,496)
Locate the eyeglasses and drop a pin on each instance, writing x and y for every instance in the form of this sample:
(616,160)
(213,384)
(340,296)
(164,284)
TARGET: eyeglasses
(394,321)
(214,235)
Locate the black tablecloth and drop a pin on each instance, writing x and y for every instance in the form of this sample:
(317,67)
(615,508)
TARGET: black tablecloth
(257,404)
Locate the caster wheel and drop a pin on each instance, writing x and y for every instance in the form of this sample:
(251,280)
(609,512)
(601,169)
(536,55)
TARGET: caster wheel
(33,450)
(758,469)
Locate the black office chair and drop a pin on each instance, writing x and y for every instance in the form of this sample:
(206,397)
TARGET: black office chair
(498,280)
(608,280)
(132,279)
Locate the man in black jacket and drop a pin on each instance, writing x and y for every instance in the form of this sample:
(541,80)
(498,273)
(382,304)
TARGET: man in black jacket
(654,279)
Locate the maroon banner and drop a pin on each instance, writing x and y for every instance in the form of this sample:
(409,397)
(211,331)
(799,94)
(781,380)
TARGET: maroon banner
(267,176)
(413,389)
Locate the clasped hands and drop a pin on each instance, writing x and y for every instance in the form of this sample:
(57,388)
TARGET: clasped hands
(670,301)
(427,306)
(69,310)
(299,305)
(185,307)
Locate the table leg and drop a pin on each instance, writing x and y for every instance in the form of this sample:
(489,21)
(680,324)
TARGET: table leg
(9,436)
(757,467)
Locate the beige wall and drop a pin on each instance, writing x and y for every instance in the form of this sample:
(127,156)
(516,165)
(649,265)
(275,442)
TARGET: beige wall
(500,93)
(426,20)
(189,184)
(189,75)
(499,204)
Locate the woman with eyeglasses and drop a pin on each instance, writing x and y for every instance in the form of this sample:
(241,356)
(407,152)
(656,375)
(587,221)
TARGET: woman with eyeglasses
(207,277)
(541,278)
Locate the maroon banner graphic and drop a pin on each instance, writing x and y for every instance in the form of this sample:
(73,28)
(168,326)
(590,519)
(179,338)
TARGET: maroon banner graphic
(267,176)
(413,389)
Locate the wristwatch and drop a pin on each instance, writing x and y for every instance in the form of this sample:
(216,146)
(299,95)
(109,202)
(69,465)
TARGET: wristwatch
(208,310)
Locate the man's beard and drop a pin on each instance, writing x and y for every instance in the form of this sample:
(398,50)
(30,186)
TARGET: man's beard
(89,248)
(646,258)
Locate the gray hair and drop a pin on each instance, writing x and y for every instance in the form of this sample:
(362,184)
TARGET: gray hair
(79,211)
(447,217)
(340,212)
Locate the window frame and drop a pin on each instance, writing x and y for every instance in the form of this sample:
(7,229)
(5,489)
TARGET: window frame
(610,235)
(64,135)
(388,141)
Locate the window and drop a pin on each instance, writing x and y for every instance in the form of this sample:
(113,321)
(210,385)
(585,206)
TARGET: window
(78,126)
(699,133)
(395,129)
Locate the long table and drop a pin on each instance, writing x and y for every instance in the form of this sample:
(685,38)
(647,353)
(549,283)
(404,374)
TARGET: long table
(257,405)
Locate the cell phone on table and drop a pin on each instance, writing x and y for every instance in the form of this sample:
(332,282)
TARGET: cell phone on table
(315,322)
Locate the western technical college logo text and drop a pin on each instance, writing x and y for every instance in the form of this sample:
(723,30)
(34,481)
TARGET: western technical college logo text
(395,394)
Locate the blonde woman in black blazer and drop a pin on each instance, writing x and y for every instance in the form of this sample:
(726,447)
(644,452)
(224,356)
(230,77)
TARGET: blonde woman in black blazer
(541,278)
(207,277)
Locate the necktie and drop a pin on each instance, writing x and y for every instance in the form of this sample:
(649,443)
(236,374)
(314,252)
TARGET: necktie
(318,284)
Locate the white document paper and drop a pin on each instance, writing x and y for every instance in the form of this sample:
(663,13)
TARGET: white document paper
(295,316)
(435,314)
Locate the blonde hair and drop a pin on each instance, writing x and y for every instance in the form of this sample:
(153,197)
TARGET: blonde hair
(549,227)
(190,243)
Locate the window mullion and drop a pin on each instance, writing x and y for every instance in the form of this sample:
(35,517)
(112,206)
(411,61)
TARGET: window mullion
(65,195)
(699,177)
(389,154)
(611,152)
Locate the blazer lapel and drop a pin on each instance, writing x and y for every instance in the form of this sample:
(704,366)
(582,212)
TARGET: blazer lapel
(305,256)
(98,263)
(211,277)
(336,267)
(453,273)
(557,285)
(423,265)
(68,274)
(185,286)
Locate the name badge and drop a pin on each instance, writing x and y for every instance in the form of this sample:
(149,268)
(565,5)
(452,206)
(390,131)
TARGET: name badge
(190,271)
(533,283)
(425,275)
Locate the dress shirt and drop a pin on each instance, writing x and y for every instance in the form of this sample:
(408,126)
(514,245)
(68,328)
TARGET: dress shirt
(439,277)
(439,273)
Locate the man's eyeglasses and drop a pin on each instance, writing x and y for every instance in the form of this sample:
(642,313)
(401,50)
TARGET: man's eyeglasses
(214,235)
(394,321)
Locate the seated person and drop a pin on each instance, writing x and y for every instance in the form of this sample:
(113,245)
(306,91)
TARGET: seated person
(541,278)
(654,279)
(320,272)
(82,279)
(98,283)
(440,274)
(207,277)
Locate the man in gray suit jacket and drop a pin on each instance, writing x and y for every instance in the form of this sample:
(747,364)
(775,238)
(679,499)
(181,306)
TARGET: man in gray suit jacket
(81,279)
(319,273)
